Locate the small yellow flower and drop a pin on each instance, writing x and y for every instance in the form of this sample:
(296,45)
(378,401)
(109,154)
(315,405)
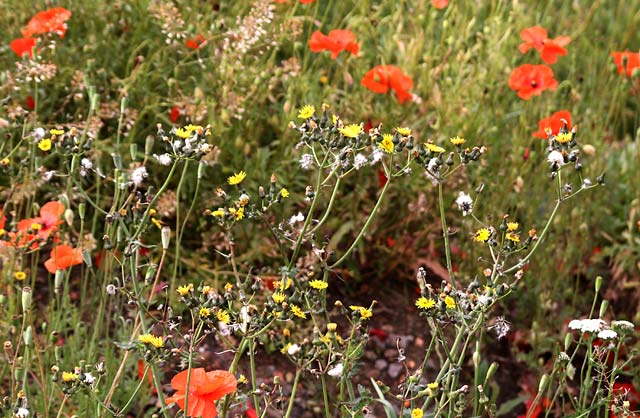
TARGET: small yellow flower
(223,316)
(417,413)
(239,213)
(218,213)
(513,237)
(351,131)
(386,144)
(364,312)
(44,144)
(242,379)
(512,226)
(157,342)
(425,303)
(284,349)
(69,376)
(318,284)
(20,275)
(284,193)
(433,147)
(228,287)
(532,233)
(431,388)
(182,133)
(278,297)
(449,302)
(156,223)
(237,178)
(298,312)
(404,131)
(191,128)
(283,284)
(324,79)
(306,112)
(4,162)
(185,290)
(563,138)
(204,312)
(456,140)
(205,289)
(335,119)
(56,131)
(482,235)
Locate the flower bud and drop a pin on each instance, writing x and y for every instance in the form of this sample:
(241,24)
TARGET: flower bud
(148,145)
(27,335)
(165,235)
(567,341)
(543,383)
(27,298)
(57,286)
(133,151)
(603,308)
(493,368)
(598,283)
(82,210)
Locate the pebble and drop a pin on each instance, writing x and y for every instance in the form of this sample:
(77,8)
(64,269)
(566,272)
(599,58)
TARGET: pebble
(381,364)
(394,370)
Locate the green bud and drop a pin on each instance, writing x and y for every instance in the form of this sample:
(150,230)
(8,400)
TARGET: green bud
(598,283)
(28,336)
(68,217)
(567,341)
(123,104)
(201,167)
(27,298)
(148,145)
(543,383)
(603,308)
(165,235)
(493,368)
(133,151)
(82,210)
(58,281)
(117,160)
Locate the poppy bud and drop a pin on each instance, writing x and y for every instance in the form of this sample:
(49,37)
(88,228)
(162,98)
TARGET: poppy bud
(28,336)
(165,235)
(27,298)
(58,281)
(117,160)
(603,308)
(598,283)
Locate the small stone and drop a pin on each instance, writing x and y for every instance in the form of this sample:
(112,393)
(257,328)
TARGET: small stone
(390,353)
(419,342)
(381,364)
(370,355)
(411,364)
(394,370)
(373,373)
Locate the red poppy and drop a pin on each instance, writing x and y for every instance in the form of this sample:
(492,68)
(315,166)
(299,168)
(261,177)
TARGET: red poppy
(531,80)
(534,410)
(381,78)
(338,40)
(204,389)
(174,114)
(439,4)
(553,122)
(23,46)
(382,179)
(31,103)
(195,43)
(63,257)
(250,412)
(46,223)
(632,61)
(628,392)
(306,1)
(49,21)
(536,37)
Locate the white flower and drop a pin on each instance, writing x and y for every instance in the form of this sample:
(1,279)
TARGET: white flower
(336,371)
(433,166)
(89,379)
(293,349)
(465,203)
(164,159)
(138,175)
(555,157)
(306,161)
(37,135)
(376,156)
(296,218)
(622,325)
(359,160)
(607,334)
(48,175)
(587,325)
(586,183)
(22,413)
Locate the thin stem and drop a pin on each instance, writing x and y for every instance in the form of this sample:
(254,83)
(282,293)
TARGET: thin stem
(445,234)
(293,393)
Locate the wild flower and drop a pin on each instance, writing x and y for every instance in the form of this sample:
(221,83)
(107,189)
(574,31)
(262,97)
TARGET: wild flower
(359,161)
(46,224)
(482,235)
(62,257)
(23,46)
(152,340)
(204,388)
(306,112)
(382,78)
(318,284)
(425,303)
(555,157)
(536,37)
(336,371)
(553,124)
(587,325)
(465,203)
(439,4)
(607,334)
(336,41)
(417,413)
(138,175)
(195,42)
(237,178)
(297,312)
(49,21)
(632,60)
(306,161)
(387,143)
(351,131)
(531,80)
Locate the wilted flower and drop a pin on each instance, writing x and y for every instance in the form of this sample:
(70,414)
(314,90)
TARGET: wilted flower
(465,203)
(336,371)
(138,175)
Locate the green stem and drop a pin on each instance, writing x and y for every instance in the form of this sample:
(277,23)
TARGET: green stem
(445,234)
(254,384)
(293,392)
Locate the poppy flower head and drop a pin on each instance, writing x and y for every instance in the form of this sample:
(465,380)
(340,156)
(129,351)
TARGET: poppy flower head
(553,122)
(531,80)
(336,41)
(626,61)
(49,21)
(204,389)
(439,4)
(536,37)
(381,78)
(196,42)
(45,224)
(23,46)
(63,257)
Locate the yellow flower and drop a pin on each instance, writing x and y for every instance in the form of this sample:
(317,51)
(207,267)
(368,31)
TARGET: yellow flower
(205,289)
(306,112)
(482,235)
(56,131)
(351,131)
(182,133)
(334,119)
(387,143)
(69,376)
(242,379)
(157,342)
(223,316)
(283,284)
(184,290)
(318,284)
(403,131)
(449,302)
(228,287)
(563,138)
(512,226)
(191,128)
(237,178)
(204,312)
(324,79)
(298,312)
(44,144)
(278,297)
(456,140)
(284,349)
(239,214)
(4,162)
(364,312)
(417,413)
(284,193)
(431,387)
(433,147)
(20,275)
(425,303)
(513,237)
